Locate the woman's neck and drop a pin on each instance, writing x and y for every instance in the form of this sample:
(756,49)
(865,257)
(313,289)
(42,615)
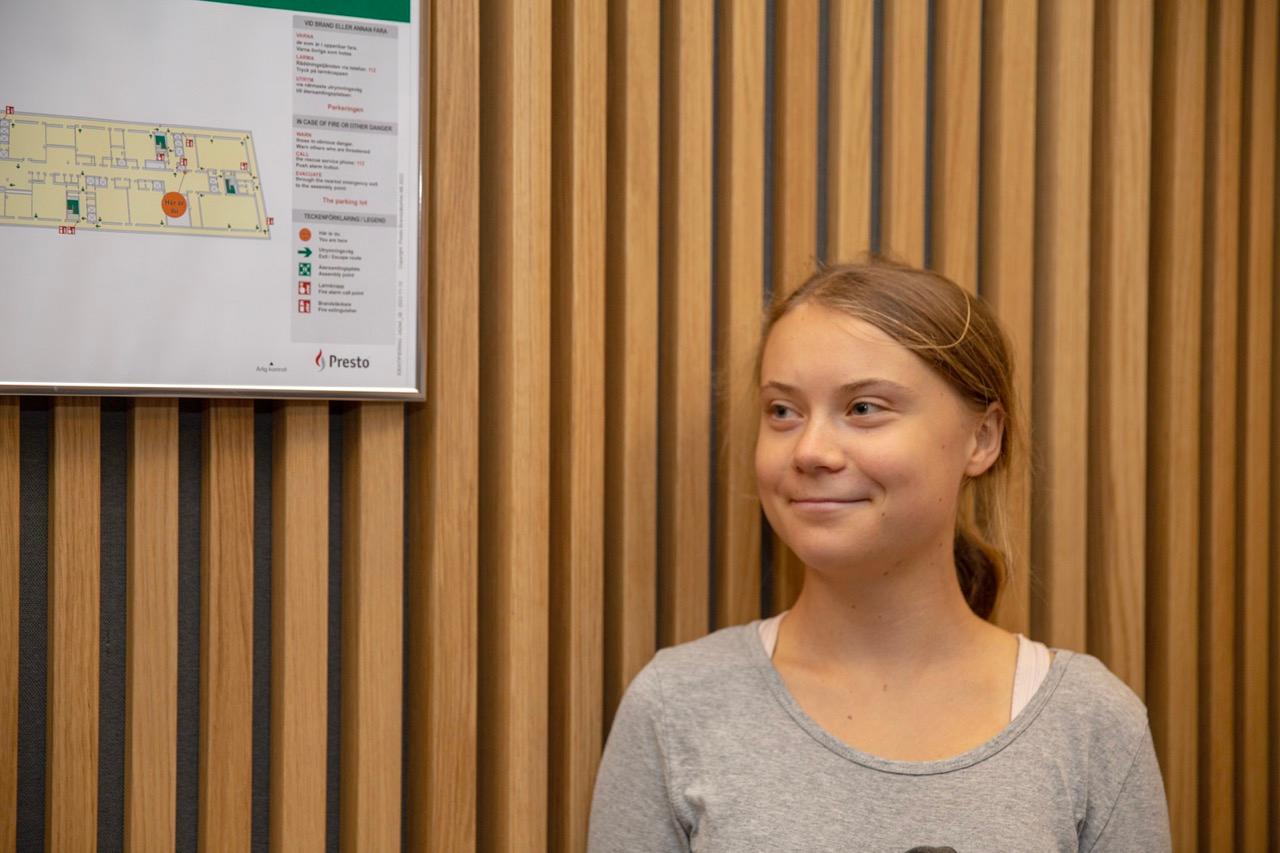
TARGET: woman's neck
(907,619)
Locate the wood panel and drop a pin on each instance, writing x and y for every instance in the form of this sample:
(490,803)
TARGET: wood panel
(1173,439)
(739,304)
(1007,253)
(1060,364)
(442,464)
(372,625)
(1219,420)
(1258,289)
(580,60)
(71,750)
(299,624)
(684,414)
(151,642)
(850,74)
(794,196)
(631,453)
(515,269)
(905,78)
(10,513)
(1118,338)
(956,103)
(226,626)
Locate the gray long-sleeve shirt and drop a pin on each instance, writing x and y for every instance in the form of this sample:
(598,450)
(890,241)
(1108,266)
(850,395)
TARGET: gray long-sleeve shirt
(710,752)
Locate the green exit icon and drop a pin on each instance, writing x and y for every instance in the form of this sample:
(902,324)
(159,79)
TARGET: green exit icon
(305,251)
(304,269)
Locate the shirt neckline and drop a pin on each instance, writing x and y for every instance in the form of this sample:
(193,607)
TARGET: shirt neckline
(755,652)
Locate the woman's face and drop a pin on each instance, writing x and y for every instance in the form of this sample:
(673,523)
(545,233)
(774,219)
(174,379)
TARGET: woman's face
(862,447)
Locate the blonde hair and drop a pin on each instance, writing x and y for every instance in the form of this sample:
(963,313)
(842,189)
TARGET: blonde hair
(957,335)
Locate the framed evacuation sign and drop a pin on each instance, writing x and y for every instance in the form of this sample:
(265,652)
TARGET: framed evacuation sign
(208,197)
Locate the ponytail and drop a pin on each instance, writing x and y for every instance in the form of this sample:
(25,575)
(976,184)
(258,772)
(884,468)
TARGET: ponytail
(980,568)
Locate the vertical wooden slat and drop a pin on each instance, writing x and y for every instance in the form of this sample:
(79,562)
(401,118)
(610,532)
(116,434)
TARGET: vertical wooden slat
(299,624)
(578,224)
(631,520)
(851,30)
(905,76)
(73,625)
(1177,220)
(9,615)
(71,798)
(1061,329)
(1118,335)
(1257,297)
(739,297)
(1008,251)
(514,467)
(443,447)
(372,625)
(151,666)
(795,196)
(956,107)
(226,626)
(684,447)
(1219,413)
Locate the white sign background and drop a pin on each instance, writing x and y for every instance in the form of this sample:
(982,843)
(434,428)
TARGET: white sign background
(136,313)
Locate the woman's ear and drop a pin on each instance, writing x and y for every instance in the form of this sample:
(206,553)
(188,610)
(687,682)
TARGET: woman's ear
(988,438)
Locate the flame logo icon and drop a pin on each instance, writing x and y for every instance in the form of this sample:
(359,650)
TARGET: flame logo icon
(320,360)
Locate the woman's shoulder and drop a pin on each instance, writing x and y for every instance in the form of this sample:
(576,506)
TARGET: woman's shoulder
(1090,698)
(704,671)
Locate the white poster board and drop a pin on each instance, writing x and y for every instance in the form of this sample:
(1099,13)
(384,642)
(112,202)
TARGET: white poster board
(210,198)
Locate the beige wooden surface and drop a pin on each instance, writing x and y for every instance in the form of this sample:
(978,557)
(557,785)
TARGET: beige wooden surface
(1219,408)
(442,462)
(299,624)
(151,633)
(226,626)
(372,625)
(71,753)
(631,365)
(1060,366)
(739,303)
(850,73)
(1007,251)
(1257,396)
(577,426)
(1118,338)
(10,515)
(1176,299)
(903,149)
(515,270)
(957,91)
(684,320)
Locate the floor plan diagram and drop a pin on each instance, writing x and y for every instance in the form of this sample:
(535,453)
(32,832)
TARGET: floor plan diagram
(106,175)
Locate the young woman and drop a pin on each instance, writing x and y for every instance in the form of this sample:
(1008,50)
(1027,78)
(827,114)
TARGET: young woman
(883,712)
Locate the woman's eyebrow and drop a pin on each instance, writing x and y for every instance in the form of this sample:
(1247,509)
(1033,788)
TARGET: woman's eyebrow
(854,387)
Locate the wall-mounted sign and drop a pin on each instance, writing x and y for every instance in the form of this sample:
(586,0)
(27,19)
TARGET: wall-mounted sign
(210,198)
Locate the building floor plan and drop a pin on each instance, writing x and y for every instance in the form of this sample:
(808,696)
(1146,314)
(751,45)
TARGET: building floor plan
(106,175)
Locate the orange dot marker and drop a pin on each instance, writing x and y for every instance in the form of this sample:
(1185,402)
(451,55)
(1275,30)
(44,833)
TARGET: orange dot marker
(304,235)
(173,205)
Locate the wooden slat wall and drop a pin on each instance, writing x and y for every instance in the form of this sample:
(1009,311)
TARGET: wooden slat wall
(299,623)
(1219,409)
(740,207)
(576,490)
(151,656)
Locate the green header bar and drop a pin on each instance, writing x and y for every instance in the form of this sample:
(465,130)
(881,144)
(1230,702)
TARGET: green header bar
(378,10)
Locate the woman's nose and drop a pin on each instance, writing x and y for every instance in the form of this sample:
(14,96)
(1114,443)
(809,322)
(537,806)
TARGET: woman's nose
(818,448)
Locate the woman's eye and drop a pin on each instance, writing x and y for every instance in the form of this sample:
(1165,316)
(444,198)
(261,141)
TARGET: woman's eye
(863,407)
(779,411)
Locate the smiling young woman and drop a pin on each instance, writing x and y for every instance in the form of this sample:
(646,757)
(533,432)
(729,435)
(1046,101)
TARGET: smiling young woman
(883,711)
